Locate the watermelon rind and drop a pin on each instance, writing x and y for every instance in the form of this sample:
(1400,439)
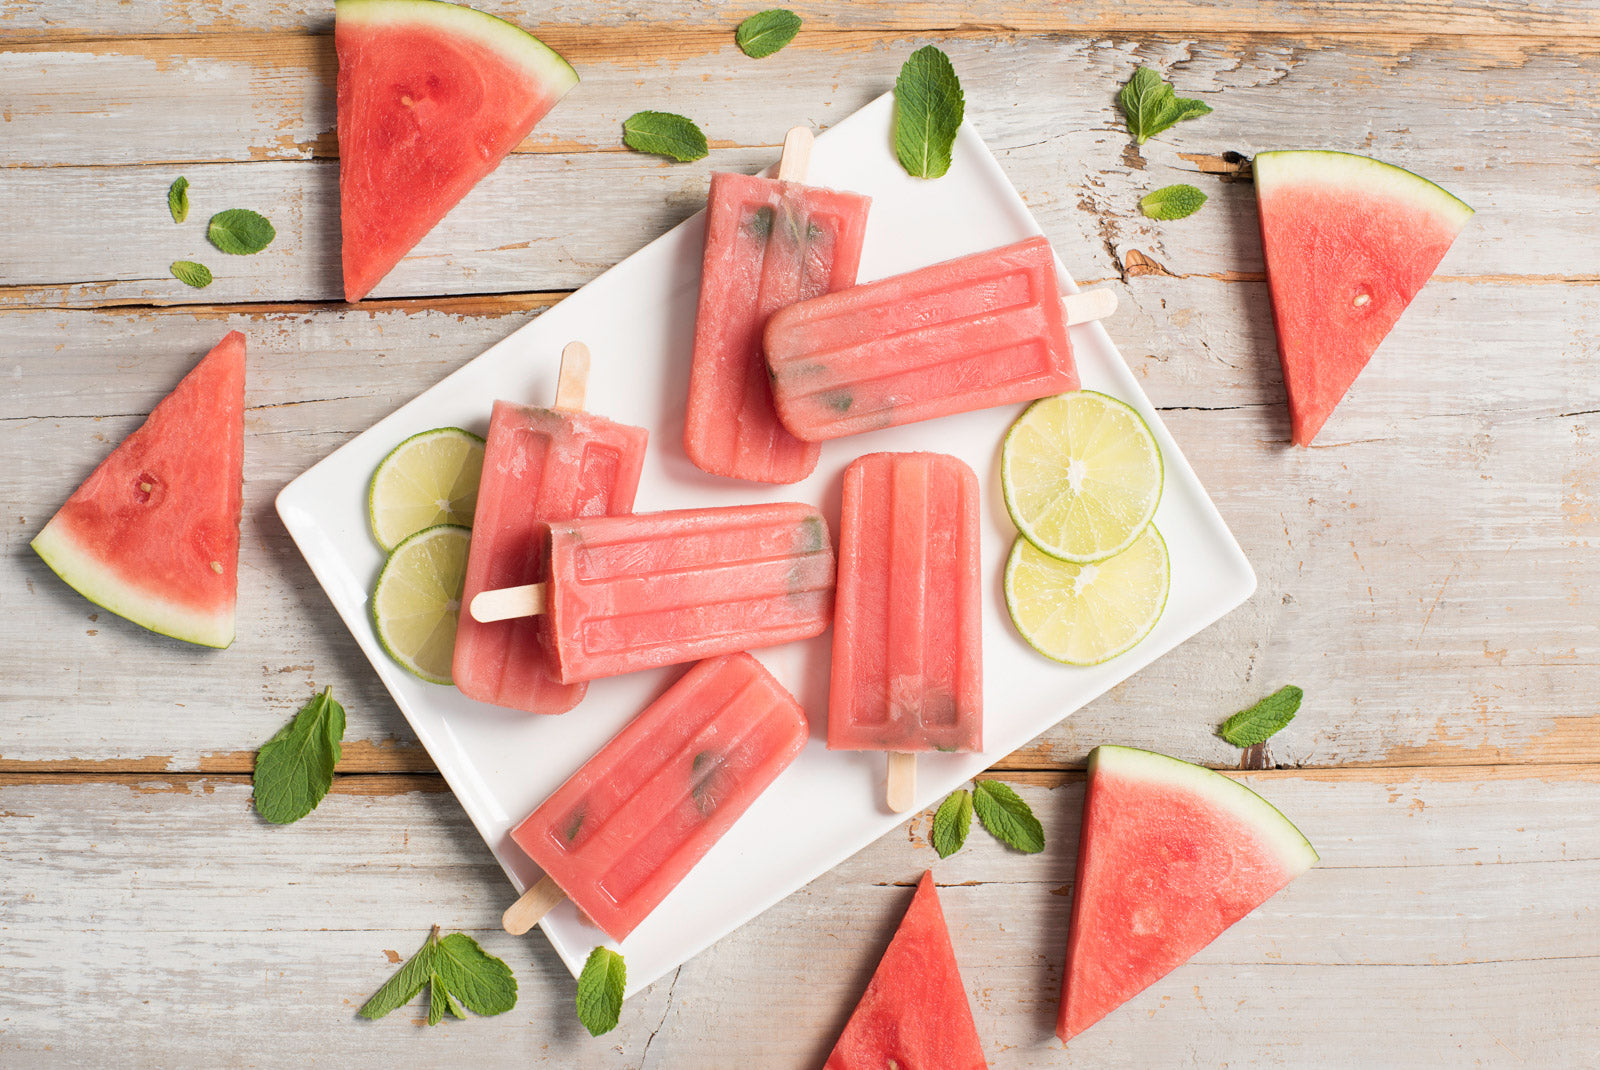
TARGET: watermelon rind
(517,45)
(1347,170)
(1278,833)
(84,569)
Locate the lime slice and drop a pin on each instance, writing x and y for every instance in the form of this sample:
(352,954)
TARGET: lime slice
(430,478)
(417,599)
(1083,614)
(1081,474)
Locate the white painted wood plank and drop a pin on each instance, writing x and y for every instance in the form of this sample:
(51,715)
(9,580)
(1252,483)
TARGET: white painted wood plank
(29,18)
(1427,573)
(1479,122)
(1450,922)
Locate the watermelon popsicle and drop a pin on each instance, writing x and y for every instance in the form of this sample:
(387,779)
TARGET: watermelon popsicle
(625,829)
(907,634)
(635,592)
(538,465)
(972,333)
(769,243)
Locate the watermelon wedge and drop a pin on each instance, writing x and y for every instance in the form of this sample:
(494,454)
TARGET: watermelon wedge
(153,533)
(1348,242)
(431,98)
(914,1014)
(1170,855)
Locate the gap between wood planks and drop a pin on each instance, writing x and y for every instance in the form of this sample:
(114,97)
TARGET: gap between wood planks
(387,784)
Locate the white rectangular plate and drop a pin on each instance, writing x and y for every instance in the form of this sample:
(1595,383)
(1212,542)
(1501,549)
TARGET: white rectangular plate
(638,318)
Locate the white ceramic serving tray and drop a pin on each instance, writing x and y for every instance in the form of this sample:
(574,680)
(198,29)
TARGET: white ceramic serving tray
(638,318)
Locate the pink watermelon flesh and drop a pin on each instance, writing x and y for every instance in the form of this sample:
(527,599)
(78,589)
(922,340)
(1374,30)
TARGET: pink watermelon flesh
(431,98)
(1170,855)
(914,1014)
(1348,242)
(153,533)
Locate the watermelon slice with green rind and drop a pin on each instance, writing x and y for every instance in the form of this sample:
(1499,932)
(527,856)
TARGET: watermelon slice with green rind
(1348,242)
(1170,855)
(432,96)
(914,1014)
(153,533)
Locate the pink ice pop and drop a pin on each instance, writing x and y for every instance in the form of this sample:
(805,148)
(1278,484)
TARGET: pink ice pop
(620,834)
(984,330)
(539,465)
(634,592)
(907,631)
(768,244)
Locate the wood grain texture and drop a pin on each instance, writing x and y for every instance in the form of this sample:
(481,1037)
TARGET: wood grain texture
(1454,899)
(1479,121)
(26,19)
(1470,639)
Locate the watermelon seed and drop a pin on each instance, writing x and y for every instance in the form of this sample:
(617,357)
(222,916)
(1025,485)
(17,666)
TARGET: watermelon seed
(216,566)
(1362,299)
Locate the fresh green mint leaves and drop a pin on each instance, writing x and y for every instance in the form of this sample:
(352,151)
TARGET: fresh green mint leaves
(759,36)
(600,987)
(928,108)
(294,769)
(453,968)
(240,231)
(178,199)
(1000,810)
(664,134)
(1261,721)
(1152,106)
(1172,202)
(951,822)
(191,274)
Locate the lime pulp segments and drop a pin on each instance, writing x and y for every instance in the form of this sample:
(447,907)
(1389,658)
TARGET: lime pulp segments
(1084,614)
(430,478)
(417,598)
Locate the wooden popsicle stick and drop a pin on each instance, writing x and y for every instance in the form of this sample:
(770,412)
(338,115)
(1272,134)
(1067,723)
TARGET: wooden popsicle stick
(573,385)
(1089,305)
(535,903)
(506,603)
(902,781)
(796,155)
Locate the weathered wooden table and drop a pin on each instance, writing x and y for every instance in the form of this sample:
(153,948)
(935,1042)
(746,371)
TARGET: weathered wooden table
(1428,571)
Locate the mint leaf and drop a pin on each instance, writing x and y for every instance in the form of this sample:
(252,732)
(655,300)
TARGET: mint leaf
(178,199)
(294,769)
(452,968)
(951,822)
(1151,105)
(482,982)
(1172,202)
(759,36)
(1004,814)
(191,274)
(240,231)
(403,987)
(928,108)
(600,987)
(1261,721)
(664,134)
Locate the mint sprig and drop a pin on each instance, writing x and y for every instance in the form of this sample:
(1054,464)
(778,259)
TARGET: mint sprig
(1000,810)
(1007,817)
(178,199)
(191,274)
(1261,721)
(453,968)
(600,988)
(928,108)
(1172,202)
(1151,105)
(762,34)
(240,231)
(664,134)
(294,769)
(951,822)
